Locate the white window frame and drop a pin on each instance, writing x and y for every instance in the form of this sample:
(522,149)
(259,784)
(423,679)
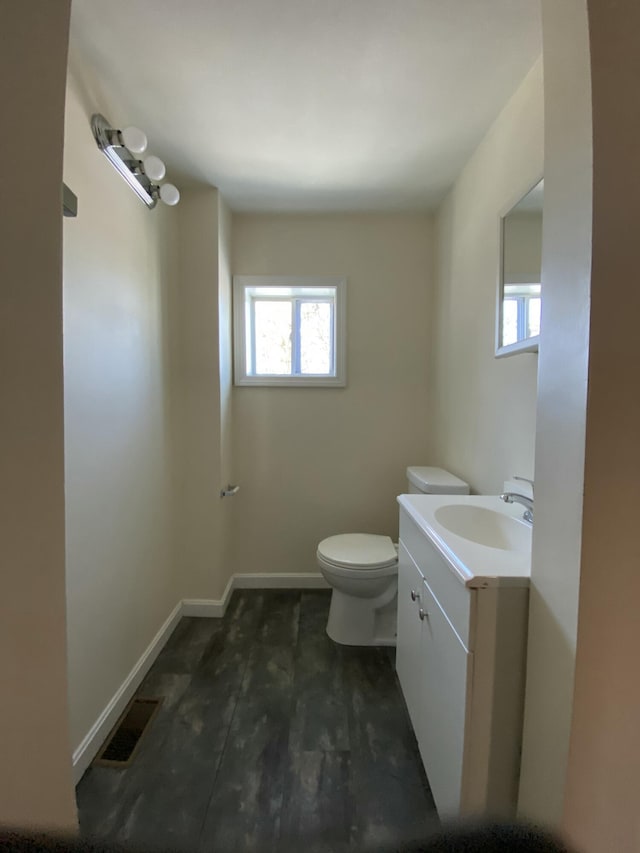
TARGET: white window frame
(240,300)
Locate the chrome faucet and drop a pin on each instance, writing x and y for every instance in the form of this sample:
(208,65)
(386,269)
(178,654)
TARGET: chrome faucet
(516,498)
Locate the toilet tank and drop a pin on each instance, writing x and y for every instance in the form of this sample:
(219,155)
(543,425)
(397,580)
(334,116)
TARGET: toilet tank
(434,481)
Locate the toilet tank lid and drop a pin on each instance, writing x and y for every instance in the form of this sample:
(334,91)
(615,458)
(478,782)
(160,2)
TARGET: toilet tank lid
(436,481)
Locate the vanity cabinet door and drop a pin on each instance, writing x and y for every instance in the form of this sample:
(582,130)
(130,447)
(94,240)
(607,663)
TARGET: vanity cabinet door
(409,663)
(447,671)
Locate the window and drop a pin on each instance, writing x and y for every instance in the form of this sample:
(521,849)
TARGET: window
(520,312)
(289,330)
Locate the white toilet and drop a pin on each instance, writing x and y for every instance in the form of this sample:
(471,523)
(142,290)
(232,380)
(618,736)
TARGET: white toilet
(362,568)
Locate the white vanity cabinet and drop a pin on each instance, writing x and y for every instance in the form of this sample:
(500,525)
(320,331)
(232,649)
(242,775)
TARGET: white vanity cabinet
(460,660)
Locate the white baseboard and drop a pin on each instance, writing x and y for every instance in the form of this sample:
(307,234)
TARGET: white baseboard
(280,580)
(95,737)
(215,607)
(207,607)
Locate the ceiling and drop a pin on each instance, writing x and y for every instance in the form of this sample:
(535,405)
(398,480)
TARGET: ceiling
(308,105)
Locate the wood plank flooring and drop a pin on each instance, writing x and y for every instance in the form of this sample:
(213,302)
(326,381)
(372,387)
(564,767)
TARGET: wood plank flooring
(270,738)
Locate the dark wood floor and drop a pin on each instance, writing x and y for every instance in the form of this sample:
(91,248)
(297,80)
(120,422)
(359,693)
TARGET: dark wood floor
(270,738)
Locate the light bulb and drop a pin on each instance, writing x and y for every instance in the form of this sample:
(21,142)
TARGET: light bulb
(134,139)
(169,194)
(154,168)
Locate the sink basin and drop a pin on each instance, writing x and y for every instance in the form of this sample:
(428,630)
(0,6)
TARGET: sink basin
(488,527)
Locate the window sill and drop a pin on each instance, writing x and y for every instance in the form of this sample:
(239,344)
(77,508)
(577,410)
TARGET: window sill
(291,382)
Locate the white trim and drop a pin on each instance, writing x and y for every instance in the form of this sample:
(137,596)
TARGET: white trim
(84,754)
(242,283)
(216,607)
(528,344)
(280,580)
(208,607)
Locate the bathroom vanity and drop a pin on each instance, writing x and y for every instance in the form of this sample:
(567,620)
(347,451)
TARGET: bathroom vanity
(463,589)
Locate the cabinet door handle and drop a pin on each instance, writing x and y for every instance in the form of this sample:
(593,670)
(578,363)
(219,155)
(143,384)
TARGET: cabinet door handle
(422,613)
(414,595)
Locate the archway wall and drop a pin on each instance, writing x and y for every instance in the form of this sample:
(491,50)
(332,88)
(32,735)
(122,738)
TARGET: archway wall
(601,809)
(35,770)
(561,410)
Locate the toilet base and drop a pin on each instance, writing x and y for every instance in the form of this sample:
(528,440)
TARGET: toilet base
(363,621)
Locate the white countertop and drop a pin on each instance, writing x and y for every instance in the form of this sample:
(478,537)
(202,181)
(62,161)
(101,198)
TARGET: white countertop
(476,566)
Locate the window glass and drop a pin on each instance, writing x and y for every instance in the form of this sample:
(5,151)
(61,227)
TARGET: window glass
(272,337)
(533,316)
(520,312)
(509,322)
(315,338)
(289,330)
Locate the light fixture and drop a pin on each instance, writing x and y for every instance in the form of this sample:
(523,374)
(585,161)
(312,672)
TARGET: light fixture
(154,168)
(169,194)
(133,139)
(120,148)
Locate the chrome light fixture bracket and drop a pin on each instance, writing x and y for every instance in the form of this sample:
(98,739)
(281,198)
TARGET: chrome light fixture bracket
(110,141)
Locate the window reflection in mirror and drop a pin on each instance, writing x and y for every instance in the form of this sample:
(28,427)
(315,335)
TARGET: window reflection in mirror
(520,312)
(520,291)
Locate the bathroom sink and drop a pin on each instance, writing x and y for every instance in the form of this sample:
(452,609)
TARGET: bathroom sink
(488,527)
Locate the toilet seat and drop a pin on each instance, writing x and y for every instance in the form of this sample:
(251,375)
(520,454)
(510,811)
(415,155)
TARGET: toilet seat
(358,552)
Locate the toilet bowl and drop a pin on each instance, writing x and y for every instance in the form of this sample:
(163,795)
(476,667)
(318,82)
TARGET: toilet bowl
(362,569)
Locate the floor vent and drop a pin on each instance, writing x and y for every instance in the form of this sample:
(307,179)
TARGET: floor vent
(121,745)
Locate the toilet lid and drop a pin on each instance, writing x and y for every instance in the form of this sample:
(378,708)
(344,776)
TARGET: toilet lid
(359,551)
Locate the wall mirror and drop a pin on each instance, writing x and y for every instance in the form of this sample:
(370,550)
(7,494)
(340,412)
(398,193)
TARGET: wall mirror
(519,279)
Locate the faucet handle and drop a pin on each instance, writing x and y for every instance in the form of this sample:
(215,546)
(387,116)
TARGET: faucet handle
(524,480)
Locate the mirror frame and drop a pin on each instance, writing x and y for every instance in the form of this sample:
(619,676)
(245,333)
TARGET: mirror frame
(527,344)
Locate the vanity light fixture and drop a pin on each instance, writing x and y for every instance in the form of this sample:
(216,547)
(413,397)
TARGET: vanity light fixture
(121,148)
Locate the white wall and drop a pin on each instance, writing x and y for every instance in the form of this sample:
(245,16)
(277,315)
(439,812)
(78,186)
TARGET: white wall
(35,764)
(118,268)
(201,333)
(312,462)
(564,355)
(601,804)
(225,326)
(482,408)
